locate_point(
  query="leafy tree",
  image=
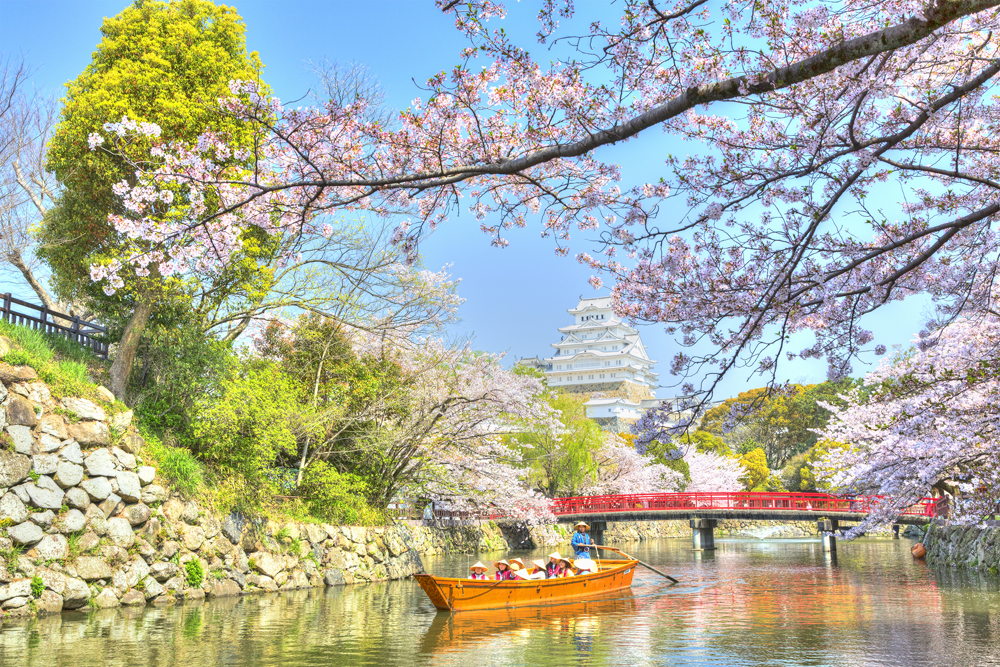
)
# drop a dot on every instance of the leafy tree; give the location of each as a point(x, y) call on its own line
point(157, 62)
point(561, 456)
point(757, 473)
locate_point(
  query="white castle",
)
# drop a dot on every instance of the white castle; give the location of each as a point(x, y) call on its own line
point(603, 357)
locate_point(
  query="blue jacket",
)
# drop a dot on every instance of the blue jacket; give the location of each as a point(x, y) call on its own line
point(578, 542)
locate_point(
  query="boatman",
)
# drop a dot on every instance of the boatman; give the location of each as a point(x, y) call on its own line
point(580, 541)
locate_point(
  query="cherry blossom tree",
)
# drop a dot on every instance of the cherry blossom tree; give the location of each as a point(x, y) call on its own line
point(929, 418)
point(621, 469)
point(807, 114)
point(711, 472)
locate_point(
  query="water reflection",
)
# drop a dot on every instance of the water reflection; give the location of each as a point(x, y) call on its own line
point(747, 603)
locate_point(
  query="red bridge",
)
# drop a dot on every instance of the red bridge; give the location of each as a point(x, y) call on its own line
point(702, 510)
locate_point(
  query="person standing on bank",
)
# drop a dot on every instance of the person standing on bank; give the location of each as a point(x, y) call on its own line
point(580, 541)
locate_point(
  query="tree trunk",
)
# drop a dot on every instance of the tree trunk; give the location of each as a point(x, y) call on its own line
point(129, 345)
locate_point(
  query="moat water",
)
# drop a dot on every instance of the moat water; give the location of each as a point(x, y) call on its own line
point(781, 602)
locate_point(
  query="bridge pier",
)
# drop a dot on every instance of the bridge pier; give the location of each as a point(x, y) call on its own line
point(895, 531)
point(703, 534)
point(828, 527)
point(597, 529)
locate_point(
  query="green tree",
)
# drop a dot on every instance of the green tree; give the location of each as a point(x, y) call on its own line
point(757, 472)
point(159, 62)
point(561, 459)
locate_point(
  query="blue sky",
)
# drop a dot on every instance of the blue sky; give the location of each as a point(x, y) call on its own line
point(515, 297)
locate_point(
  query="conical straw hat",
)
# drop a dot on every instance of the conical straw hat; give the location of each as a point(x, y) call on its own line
point(539, 563)
point(555, 554)
point(517, 561)
point(498, 563)
point(478, 566)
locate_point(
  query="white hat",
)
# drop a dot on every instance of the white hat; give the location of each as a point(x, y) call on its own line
point(585, 564)
point(479, 566)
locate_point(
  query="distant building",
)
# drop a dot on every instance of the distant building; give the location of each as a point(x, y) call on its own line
point(602, 357)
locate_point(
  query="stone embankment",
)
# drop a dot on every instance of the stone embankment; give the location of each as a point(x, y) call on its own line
point(968, 547)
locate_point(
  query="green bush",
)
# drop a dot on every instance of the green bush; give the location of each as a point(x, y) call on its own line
point(37, 587)
point(194, 572)
point(338, 498)
point(176, 464)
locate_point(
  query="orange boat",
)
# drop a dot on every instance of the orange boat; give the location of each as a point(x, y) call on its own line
point(450, 594)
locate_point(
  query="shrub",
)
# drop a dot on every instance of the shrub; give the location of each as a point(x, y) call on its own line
point(176, 464)
point(194, 572)
point(37, 587)
point(337, 497)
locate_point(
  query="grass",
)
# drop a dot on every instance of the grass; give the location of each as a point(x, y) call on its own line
point(176, 464)
point(37, 587)
point(68, 368)
point(195, 574)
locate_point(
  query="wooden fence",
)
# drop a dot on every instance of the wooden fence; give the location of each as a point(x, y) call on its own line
point(87, 334)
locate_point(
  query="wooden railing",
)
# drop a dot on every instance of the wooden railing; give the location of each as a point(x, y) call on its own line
point(88, 334)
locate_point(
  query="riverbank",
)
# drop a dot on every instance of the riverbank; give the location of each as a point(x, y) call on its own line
point(968, 547)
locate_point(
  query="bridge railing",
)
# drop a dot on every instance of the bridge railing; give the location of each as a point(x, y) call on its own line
point(686, 502)
point(87, 334)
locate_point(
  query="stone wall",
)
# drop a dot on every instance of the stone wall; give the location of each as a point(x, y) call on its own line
point(621, 389)
point(968, 547)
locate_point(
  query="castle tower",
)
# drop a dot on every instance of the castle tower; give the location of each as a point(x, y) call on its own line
point(603, 357)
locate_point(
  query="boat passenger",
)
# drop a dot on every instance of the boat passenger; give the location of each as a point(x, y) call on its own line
point(538, 571)
point(516, 564)
point(503, 573)
point(478, 571)
point(580, 541)
point(565, 568)
point(585, 565)
point(550, 569)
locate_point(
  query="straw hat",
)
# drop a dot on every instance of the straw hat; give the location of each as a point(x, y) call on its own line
point(517, 561)
point(555, 554)
point(478, 566)
point(586, 564)
point(539, 563)
point(522, 574)
point(568, 561)
point(581, 523)
point(498, 563)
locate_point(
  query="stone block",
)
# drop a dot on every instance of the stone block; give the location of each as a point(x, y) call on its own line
point(152, 588)
point(268, 584)
point(15, 589)
point(333, 577)
point(51, 547)
point(92, 568)
point(90, 434)
point(126, 460)
point(154, 494)
point(25, 534)
point(44, 519)
point(173, 509)
point(23, 441)
point(129, 487)
point(96, 520)
point(77, 498)
point(9, 374)
point(45, 493)
point(146, 475)
point(268, 564)
point(106, 599)
point(84, 409)
point(120, 532)
point(105, 394)
point(163, 571)
point(223, 588)
point(232, 528)
point(20, 412)
point(76, 594)
point(136, 514)
point(133, 598)
point(49, 443)
point(100, 463)
point(98, 488)
point(54, 425)
point(45, 464)
point(12, 509)
point(72, 453)
point(71, 522)
point(133, 442)
point(67, 474)
point(18, 603)
point(192, 537)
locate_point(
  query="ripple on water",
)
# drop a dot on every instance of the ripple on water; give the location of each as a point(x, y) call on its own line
point(750, 603)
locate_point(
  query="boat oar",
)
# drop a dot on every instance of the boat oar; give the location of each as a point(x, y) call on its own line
point(645, 565)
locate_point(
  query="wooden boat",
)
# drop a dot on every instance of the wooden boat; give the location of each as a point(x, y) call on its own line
point(450, 594)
